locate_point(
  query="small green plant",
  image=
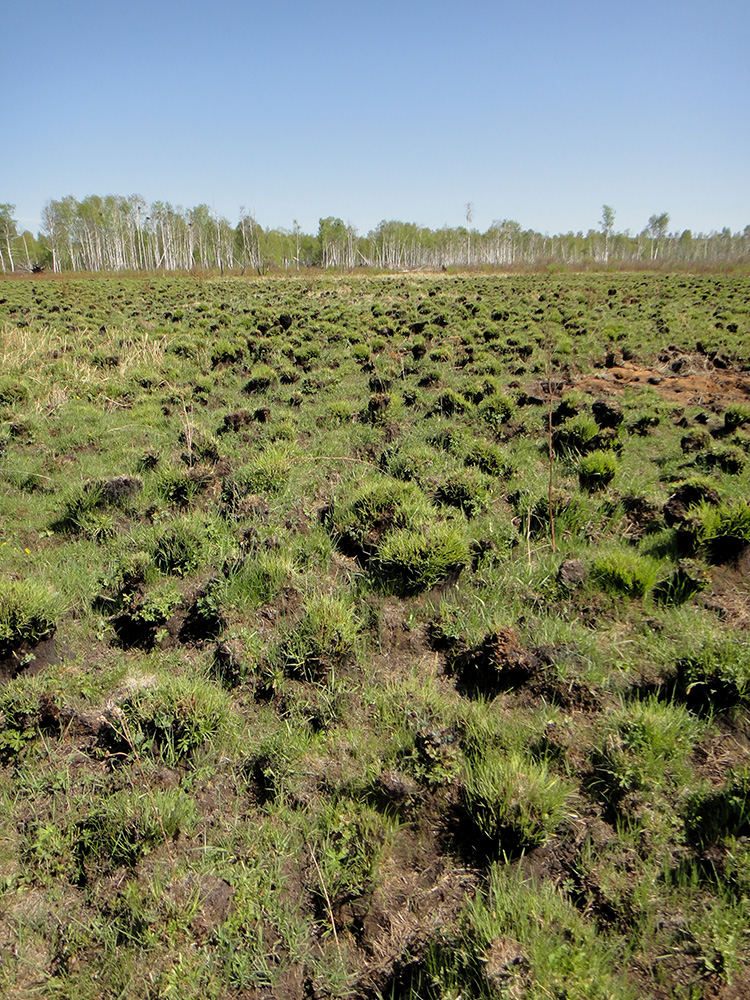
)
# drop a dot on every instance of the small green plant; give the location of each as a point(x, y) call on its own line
point(180, 486)
point(730, 459)
point(525, 938)
point(644, 747)
point(257, 580)
point(172, 719)
point(723, 530)
point(451, 402)
point(268, 473)
point(262, 377)
point(496, 411)
point(488, 458)
point(575, 436)
point(122, 827)
point(379, 506)
point(180, 548)
point(513, 803)
point(348, 846)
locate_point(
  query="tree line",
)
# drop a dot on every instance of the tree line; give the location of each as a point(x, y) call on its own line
point(116, 233)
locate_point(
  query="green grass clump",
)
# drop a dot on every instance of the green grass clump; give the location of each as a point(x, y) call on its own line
point(258, 580)
point(717, 677)
point(123, 827)
point(488, 458)
point(624, 573)
point(173, 718)
point(597, 469)
point(712, 814)
point(736, 415)
point(523, 938)
point(323, 639)
point(409, 560)
point(464, 492)
point(644, 747)
point(262, 377)
point(379, 506)
point(268, 473)
point(722, 530)
point(180, 548)
point(13, 391)
point(513, 803)
point(574, 437)
point(180, 486)
point(29, 612)
point(496, 410)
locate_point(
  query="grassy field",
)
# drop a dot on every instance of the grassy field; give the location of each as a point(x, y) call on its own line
point(379, 637)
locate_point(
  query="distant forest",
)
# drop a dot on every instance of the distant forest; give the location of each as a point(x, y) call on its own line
point(116, 233)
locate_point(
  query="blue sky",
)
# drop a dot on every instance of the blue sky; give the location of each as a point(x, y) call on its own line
point(540, 112)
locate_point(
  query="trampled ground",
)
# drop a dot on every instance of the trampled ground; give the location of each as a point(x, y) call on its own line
point(375, 637)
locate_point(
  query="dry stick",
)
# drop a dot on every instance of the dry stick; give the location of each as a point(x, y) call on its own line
point(35, 475)
point(327, 899)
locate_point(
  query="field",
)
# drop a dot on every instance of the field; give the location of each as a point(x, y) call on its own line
point(376, 637)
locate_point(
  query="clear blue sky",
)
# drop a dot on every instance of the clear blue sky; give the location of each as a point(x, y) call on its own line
point(539, 112)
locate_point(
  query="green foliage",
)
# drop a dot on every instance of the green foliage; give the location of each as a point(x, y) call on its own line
point(262, 377)
point(722, 530)
point(513, 803)
point(289, 719)
point(13, 391)
point(180, 548)
point(730, 459)
point(575, 436)
point(122, 828)
point(349, 845)
point(488, 458)
point(379, 506)
point(268, 473)
point(496, 410)
point(257, 580)
point(451, 402)
point(520, 937)
point(736, 415)
point(464, 492)
point(180, 486)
